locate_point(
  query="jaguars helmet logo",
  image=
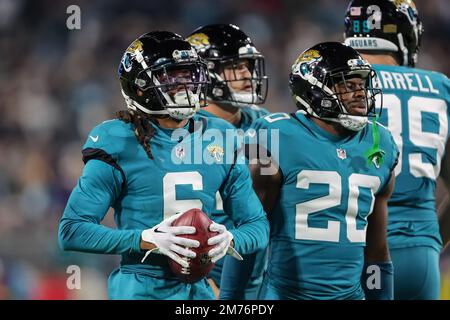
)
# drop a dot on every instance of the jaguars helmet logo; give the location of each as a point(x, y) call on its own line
point(199, 41)
point(408, 8)
point(130, 53)
point(136, 45)
point(309, 56)
point(305, 63)
point(216, 152)
point(399, 3)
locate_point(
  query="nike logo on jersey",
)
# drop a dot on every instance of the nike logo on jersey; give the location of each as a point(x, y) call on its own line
point(95, 139)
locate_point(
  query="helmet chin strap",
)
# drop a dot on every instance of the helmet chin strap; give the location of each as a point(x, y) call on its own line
point(242, 99)
point(353, 123)
point(349, 121)
point(183, 98)
point(239, 98)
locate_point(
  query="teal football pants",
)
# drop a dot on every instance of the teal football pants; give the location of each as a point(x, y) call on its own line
point(416, 273)
point(124, 285)
point(270, 292)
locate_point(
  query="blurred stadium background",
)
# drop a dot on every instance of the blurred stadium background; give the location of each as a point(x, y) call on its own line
point(56, 84)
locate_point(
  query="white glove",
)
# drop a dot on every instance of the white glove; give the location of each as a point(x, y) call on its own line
point(223, 241)
point(164, 237)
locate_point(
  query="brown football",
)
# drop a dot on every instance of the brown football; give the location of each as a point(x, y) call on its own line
point(201, 265)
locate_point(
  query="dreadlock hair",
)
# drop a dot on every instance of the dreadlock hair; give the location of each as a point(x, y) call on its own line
point(142, 128)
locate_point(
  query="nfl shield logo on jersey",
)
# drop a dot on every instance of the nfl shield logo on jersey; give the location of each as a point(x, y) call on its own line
point(179, 152)
point(341, 153)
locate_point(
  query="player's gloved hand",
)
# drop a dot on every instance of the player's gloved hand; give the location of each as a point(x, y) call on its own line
point(165, 237)
point(223, 241)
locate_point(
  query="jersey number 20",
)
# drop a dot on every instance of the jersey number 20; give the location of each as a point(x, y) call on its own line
point(333, 199)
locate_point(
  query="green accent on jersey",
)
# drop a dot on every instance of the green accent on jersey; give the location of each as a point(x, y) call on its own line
point(375, 155)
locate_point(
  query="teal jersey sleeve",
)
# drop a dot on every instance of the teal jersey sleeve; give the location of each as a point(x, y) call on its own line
point(80, 228)
point(267, 136)
point(237, 274)
point(249, 114)
point(110, 136)
point(390, 150)
point(249, 227)
point(240, 201)
point(98, 189)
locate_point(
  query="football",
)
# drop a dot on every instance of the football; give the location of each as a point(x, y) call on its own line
point(201, 265)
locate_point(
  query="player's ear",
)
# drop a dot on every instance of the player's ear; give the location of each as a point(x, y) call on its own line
point(139, 92)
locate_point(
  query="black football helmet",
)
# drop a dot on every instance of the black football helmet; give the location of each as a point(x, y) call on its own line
point(384, 26)
point(315, 75)
point(161, 73)
point(224, 45)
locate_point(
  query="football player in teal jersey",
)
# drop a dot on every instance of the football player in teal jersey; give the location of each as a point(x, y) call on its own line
point(238, 85)
point(134, 165)
point(416, 111)
point(327, 183)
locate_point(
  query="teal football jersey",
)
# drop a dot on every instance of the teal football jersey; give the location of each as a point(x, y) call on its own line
point(143, 192)
point(249, 115)
point(415, 110)
point(318, 226)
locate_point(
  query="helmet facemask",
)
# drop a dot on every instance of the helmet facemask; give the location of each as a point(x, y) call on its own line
point(342, 86)
point(240, 81)
point(180, 88)
point(333, 88)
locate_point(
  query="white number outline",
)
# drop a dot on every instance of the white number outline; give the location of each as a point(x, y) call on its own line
point(334, 181)
point(416, 105)
point(170, 181)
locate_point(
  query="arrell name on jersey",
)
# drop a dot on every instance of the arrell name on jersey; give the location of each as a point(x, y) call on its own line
point(410, 81)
